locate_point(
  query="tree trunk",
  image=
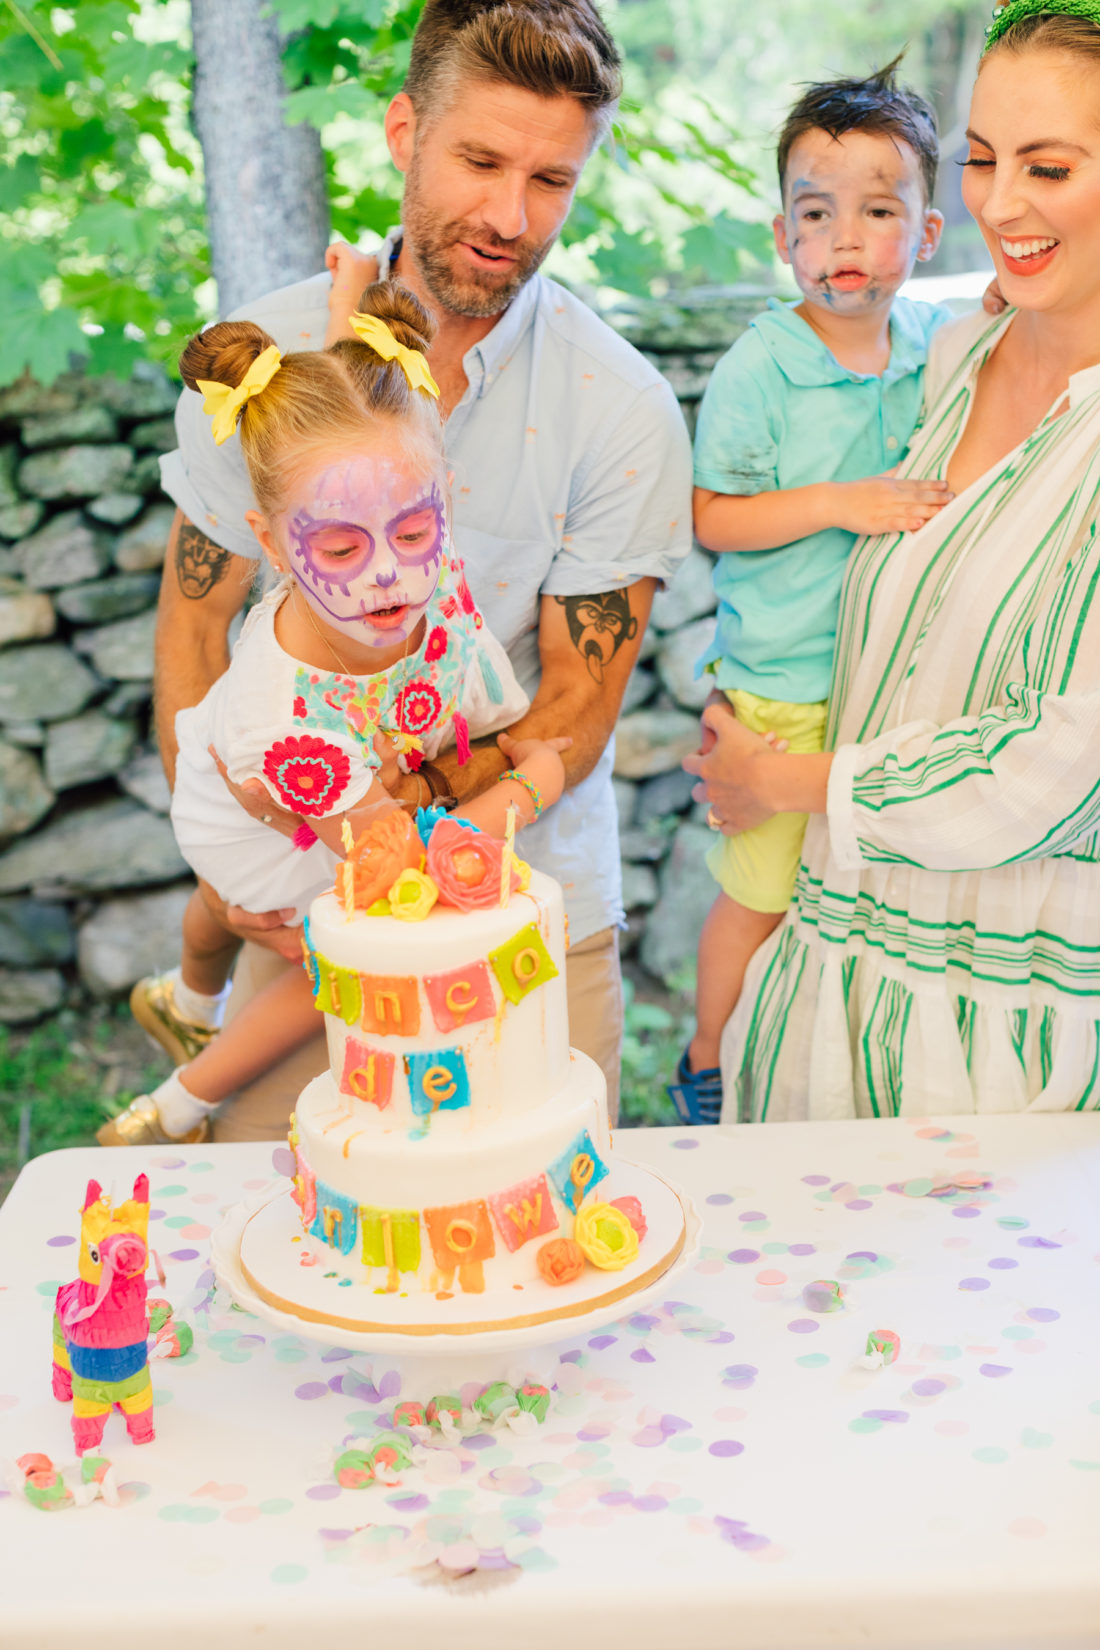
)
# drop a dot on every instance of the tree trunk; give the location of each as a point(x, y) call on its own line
point(266, 201)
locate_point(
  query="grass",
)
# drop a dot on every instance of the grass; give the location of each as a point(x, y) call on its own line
point(654, 1037)
point(62, 1079)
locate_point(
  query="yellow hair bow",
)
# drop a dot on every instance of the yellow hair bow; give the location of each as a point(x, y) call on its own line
point(223, 402)
point(377, 334)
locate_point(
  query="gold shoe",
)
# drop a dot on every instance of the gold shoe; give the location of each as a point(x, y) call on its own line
point(153, 1005)
point(139, 1125)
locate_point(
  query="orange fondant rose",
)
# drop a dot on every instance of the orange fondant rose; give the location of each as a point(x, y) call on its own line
point(465, 866)
point(387, 847)
point(560, 1261)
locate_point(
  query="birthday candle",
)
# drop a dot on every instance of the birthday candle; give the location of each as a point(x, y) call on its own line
point(348, 840)
point(506, 857)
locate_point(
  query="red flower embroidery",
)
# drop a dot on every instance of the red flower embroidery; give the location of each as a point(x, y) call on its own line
point(419, 704)
point(299, 706)
point(464, 595)
point(307, 773)
point(437, 645)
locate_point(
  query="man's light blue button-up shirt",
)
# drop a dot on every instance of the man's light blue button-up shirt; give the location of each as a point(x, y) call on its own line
point(572, 476)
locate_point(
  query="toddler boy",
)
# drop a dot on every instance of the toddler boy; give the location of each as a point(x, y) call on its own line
point(801, 422)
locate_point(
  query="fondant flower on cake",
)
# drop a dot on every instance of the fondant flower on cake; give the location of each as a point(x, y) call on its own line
point(308, 773)
point(465, 866)
point(560, 1261)
point(418, 706)
point(412, 896)
point(387, 847)
point(632, 1209)
point(606, 1236)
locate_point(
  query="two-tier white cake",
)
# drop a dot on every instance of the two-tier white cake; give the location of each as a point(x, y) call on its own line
point(454, 1169)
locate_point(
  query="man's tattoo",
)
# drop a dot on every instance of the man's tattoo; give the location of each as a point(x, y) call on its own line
point(598, 627)
point(200, 563)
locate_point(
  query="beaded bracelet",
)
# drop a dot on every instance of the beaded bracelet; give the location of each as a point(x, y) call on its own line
point(529, 786)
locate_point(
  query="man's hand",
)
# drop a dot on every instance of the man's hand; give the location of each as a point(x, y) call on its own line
point(883, 504)
point(271, 929)
point(257, 801)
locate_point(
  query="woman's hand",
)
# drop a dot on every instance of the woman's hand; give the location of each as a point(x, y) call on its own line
point(734, 766)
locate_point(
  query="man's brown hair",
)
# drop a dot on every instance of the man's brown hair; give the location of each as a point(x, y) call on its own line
point(876, 105)
point(554, 48)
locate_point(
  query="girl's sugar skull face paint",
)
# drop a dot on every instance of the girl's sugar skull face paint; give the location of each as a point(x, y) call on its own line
point(365, 539)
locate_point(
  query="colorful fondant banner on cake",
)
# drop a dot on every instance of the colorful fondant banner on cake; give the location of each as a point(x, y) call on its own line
point(461, 1234)
point(388, 1005)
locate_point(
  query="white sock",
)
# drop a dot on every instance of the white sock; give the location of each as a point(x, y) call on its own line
point(178, 1109)
point(196, 1006)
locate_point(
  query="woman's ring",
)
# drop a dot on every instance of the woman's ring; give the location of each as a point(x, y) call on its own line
point(713, 820)
point(265, 819)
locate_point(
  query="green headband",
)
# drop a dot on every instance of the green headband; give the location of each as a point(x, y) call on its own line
point(1004, 17)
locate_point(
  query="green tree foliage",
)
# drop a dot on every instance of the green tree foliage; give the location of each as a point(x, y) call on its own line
point(102, 243)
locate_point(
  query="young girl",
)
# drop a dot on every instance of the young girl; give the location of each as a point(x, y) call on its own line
point(369, 645)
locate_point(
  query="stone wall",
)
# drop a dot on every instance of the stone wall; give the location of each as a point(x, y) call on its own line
point(92, 886)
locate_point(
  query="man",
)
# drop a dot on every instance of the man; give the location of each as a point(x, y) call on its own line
point(572, 470)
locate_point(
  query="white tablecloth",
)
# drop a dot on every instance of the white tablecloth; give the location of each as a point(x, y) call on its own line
point(724, 1475)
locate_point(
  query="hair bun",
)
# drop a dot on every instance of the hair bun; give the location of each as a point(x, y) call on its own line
point(404, 314)
point(223, 353)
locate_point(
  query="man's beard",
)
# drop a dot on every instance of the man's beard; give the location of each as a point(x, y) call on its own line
point(477, 294)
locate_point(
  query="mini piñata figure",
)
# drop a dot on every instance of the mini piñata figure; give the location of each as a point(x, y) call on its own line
point(101, 1324)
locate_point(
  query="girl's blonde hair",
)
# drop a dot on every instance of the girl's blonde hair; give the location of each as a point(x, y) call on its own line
point(320, 398)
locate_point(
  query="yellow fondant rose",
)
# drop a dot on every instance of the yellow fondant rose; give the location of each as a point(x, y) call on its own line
point(412, 896)
point(605, 1236)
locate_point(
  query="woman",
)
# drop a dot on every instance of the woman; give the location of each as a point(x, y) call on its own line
point(942, 953)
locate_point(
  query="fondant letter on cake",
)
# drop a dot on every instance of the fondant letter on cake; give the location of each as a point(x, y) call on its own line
point(522, 963)
point(391, 1238)
point(437, 1081)
point(578, 1171)
point(460, 997)
point(368, 1073)
point(462, 1238)
point(524, 1211)
point(391, 1005)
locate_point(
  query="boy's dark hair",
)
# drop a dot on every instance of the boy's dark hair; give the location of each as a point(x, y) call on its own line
point(877, 105)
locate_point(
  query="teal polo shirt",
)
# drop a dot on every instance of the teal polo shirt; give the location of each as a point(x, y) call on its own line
point(781, 412)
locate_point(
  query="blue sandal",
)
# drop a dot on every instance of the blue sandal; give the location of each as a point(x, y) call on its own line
point(697, 1095)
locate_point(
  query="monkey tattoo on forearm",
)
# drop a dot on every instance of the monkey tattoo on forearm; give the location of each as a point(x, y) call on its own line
point(598, 627)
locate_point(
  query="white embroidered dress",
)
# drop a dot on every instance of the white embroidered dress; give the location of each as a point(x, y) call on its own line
point(307, 735)
point(942, 953)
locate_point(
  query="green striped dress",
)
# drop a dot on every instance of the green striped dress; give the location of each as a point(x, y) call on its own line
point(942, 952)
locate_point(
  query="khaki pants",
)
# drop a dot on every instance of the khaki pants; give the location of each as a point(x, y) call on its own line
point(262, 1110)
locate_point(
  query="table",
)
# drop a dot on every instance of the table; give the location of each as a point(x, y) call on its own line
point(718, 1472)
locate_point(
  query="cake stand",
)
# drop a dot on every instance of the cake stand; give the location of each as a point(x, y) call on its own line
point(486, 1337)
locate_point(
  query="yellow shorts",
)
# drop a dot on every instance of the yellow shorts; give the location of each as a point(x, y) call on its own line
point(758, 868)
